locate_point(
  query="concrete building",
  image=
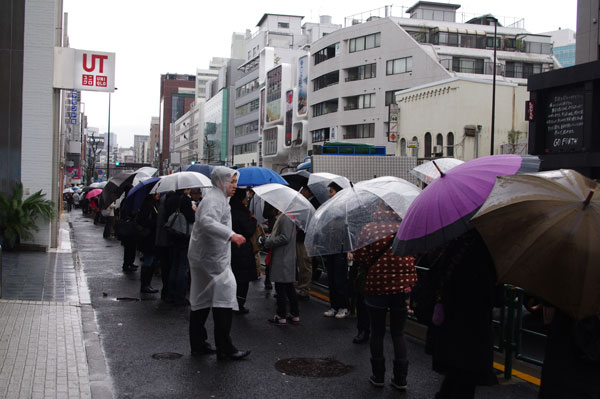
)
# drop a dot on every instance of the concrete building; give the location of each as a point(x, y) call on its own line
point(281, 40)
point(140, 148)
point(356, 72)
point(563, 46)
point(153, 143)
point(588, 31)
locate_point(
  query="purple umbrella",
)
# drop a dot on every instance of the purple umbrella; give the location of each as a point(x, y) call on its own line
point(443, 209)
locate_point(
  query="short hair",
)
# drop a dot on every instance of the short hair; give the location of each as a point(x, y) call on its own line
point(335, 186)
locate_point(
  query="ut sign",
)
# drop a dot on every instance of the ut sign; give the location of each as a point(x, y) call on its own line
point(84, 69)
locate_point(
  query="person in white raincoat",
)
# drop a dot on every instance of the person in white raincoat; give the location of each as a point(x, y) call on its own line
point(213, 283)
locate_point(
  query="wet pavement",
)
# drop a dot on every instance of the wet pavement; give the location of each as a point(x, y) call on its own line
point(136, 337)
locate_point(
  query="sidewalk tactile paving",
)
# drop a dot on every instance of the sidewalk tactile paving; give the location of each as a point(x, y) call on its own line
point(41, 347)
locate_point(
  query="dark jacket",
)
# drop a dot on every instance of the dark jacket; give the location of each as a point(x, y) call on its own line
point(242, 258)
point(162, 238)
point(146, 225)
point(184, 203)
point(464, 341)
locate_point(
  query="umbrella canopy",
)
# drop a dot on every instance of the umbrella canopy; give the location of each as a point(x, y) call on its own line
point(251, 176)
point(288, 201)
point(93, 193)
point(68, 190)
point(429, 171)
point(143, 173)
point(115, 187)
point(298, 179)
point(338, 225)
point(135, 196)
point(99, 184)
point(443, 209)
point(181, 180)
point(543, 231)
point(205, 169)
point(318, 182)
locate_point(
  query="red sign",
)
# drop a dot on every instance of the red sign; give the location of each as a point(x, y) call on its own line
point(529, 110)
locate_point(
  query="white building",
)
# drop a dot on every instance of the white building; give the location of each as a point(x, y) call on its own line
point(356, 71)
point(140, 148)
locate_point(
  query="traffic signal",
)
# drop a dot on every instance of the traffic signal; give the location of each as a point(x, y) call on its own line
point(193, 163)
point(105, 175)
point(117, 163)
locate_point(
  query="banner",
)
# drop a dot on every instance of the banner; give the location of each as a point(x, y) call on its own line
point(84, 70)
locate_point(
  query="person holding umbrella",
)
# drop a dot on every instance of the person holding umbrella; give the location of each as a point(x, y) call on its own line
point(213, 284)
point(303, 261)
point(145, 221)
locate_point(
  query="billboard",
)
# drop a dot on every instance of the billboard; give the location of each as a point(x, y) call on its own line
point(302, 84)
point(262, 116)
point(289, 108)
point(84, 70)
point(274, 77)
point(74, 173)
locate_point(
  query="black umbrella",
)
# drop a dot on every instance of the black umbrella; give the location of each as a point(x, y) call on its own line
point(297, 179)
point(115, 187)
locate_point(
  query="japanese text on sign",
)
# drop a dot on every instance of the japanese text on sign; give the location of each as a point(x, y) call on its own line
point(564, 122)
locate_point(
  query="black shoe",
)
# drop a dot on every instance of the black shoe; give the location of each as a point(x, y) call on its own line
point(129, 268)
point(148, 290)
point(268, 286)
point(361, 337)
point(238, 355)
point(242, 311)
point(206, 349)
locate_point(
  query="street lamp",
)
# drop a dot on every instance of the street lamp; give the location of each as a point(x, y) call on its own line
point(494, 89)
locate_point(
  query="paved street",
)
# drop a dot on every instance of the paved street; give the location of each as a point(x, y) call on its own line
point(132, 327)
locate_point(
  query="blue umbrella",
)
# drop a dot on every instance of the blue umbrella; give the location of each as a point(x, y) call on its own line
point(205, 169)
point(136, 195)
point(256, 176)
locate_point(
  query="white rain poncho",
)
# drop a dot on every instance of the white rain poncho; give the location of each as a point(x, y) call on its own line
point(213, 283)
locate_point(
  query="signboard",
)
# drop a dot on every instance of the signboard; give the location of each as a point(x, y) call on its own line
point(412, 144)
point(564, 121)
point(302, 84)
point(72, 107)
point(84, 69)
point(74, 173)
point(529, 110)
point(262, 116)
point(289, 97)
point(393, 123)
point(274, 94)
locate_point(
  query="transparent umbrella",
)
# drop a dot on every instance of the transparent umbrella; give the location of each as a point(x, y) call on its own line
point(181, 180)
point(318, 184)
point(288, 201)
point(431, 170)
point(336, 226)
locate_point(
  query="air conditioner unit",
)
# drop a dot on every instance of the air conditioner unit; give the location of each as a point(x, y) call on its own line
point(438, 149)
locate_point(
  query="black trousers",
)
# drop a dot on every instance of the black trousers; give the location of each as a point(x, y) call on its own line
point(242, 292)
point(397, 321)
point(337, 279)
point(363, 321)
point(222, 318)
point(164, 258)
point(286, 292)
point(129, 248)
point(457, 384)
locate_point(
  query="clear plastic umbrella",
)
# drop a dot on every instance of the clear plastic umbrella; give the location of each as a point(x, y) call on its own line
point(288, 201)
point(181, 180)
point(337, 224)
point(142, 174)
point(429, 171)
point(318, 184)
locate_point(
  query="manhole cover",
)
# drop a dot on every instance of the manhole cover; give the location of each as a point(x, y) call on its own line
point(127, 299)
point(310, 367)
point(167, 356)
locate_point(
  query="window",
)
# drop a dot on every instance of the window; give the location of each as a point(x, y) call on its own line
point(246, 108)
point(326, 80)
point(247, 88)
point(420, 37)
point(427, 145)
point(363, 131)
point(325, 107)
point(467, 65)
point(403, 147)
point(244, 148)
point(320, 135)
point(450, 146)
point(359, 102)
point(247, 128)
point(415, 150)
point(270, 140)
point(390, 96)
point(490, 41)
point(367, 71)
point(521, 69)
point(284, 25)
point(326, 53)
point(364, 42)
point(399, 65)
point(439, 139)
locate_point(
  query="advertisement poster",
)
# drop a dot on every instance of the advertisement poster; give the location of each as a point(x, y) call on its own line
point(74, 173)
point(289, 108)
point(302, 84)
point(274, 95)
point(261, 116)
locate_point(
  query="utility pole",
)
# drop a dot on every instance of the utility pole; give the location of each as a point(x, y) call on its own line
point(108, 142)
point(493, 91)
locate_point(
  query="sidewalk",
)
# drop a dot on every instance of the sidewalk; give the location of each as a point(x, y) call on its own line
point(49, 347)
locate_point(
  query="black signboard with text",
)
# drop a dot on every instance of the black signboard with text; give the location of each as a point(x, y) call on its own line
point(564, 120)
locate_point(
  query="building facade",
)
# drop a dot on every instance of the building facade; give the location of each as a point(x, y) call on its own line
point(140, 148)
point(153, 143)
point(563, 46)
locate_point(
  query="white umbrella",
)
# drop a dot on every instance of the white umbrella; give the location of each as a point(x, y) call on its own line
point(428, 172)
point(98, 184)
point(337, 226)
point(142, 174)
point(67, 190)
point(288, 201)
point(181, 180)
point(318, 182)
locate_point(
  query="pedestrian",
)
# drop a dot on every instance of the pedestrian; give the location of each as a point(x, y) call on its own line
point(337, 276)
point(109, 219)
point(76, 198)
point(95, 209)
point(255, 205)
point(356, 279)
point(270, 215)
point(145, 221)
point(282, 241)
point(304, 262)
point(242, 257)
point(69, 202)
point(213, 283)
point(163, 245)
point(179, 273)
point(460, 336)
point(387, 283)
point(572, 360)
point(196, 196)
point(128, 241)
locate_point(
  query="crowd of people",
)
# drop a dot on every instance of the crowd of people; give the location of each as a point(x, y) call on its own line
point(210, 270)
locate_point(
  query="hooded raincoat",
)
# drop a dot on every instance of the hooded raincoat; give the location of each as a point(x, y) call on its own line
point(213, 283)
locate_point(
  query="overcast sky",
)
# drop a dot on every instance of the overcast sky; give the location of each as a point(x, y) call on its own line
point(153, 37)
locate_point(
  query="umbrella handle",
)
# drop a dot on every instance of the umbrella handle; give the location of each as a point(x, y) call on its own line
point(589, 197)
point(438, 168)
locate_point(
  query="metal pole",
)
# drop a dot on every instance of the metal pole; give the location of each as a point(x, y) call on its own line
point(493, 92)
point(108, 142)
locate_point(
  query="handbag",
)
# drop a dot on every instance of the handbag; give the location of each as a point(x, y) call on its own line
point(125, 229)
point(177, 225)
